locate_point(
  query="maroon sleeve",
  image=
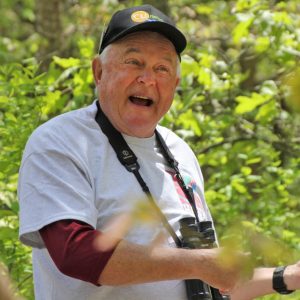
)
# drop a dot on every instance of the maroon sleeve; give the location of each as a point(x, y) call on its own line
point(70, 244)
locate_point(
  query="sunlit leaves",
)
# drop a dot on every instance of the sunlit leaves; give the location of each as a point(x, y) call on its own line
point(20, 107)
point(204, 9)
point(248, 104)
point(86, 48)
point(262, 44)
point(237, 106)
point(189, 121)
point(26, 99)
point(189, 68)
point(242, 5)
point(51, 100)
point(282, 18)
point(66, 62)
point(241, 31)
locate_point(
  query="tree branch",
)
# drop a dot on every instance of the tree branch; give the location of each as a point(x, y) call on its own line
point(229, 141)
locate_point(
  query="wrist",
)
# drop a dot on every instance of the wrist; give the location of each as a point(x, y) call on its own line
point(292, 276)
point(279, 281)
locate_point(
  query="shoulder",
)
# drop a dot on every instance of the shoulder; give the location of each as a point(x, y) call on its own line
point(172, 140)
point(179, 148)
point(76, 119)
point(70, 129)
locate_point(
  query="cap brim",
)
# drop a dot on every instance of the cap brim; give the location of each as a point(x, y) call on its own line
point(167, 30)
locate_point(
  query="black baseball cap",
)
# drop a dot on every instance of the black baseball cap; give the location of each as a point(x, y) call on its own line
point(139, 18)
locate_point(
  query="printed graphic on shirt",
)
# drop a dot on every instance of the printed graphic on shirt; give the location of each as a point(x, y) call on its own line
point(189, 182)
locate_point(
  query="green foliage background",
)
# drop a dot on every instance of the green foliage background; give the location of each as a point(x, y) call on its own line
point(233, 108)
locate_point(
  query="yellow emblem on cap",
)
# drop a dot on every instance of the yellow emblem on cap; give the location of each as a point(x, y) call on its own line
point(140, 16)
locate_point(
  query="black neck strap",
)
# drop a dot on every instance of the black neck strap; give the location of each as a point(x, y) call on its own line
point(173, 163)
point(129, 160)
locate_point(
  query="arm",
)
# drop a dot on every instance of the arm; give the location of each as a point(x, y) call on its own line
point(102, 259)
point(131, 264)
point(261, 283)
point(71, 245)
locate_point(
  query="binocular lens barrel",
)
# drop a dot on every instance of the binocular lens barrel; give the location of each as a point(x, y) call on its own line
point(199, 236)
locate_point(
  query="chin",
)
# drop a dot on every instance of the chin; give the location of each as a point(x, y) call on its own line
point(141, 129)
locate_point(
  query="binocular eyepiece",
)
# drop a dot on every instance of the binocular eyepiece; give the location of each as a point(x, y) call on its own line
point(196, 235)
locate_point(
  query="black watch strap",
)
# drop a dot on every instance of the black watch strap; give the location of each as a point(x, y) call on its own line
point(278, 282)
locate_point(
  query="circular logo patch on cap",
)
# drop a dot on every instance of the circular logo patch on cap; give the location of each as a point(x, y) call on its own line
point(140, 16)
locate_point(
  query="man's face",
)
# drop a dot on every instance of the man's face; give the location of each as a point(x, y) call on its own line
point(136, 79)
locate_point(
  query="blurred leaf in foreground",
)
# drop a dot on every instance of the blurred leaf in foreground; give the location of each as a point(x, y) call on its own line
point(292, 82)
point(246, 237)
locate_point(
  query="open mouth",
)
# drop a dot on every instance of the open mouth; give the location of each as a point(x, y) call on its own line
point(140, 100)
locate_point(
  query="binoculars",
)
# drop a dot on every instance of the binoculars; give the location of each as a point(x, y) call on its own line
point(199, 235)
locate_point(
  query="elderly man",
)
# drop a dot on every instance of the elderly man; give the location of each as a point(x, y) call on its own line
point(84, 169)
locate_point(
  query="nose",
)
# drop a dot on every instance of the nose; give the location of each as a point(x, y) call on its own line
point(147, 77)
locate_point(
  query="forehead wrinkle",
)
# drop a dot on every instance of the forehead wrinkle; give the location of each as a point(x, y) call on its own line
point(137, 50)
point(134, 41)
point(132, 50)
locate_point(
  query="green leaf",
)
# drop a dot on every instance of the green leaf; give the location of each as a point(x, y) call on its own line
point(189, 67)
point(206, 60)
point(51, 102)
point(246, 171)
point(242, 29)
point(11, 117)
point(262, 44)
point(7, 233)
point(66, 62)
point(205, 77)
point(253, 160)
point(245, 4)
point(248, 104)
point(238, 186)
point(6, 213)
point(204, 9)
point(189, 121)
point(282, 17)
point(266, 112)
point(86, 47)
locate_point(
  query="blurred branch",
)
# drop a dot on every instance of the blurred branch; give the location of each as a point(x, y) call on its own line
point(20, 284)
point(229, 141)
point(49, 26)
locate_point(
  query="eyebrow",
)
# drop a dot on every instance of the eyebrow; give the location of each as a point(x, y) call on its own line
point(132, 49)
point(137, 50)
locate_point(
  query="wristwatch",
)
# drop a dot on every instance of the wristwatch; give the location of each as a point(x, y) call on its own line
point(278, 283)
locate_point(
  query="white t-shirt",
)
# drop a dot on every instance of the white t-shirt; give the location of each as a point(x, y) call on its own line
point(70, 171)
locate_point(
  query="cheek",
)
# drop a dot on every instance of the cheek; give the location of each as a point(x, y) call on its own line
point(107, 86)
point(167, 105)
point(167, 91)
point(116, 82)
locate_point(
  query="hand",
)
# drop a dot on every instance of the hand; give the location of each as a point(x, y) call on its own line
point(222, 271)
point(292, 276)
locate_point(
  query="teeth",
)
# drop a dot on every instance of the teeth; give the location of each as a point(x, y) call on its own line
point(142, 97)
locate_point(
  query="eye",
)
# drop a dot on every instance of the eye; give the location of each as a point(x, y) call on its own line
point(133, 61)
point(163, 69)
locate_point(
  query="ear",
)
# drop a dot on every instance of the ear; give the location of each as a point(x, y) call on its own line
point(177, 82)
point(97, 69)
